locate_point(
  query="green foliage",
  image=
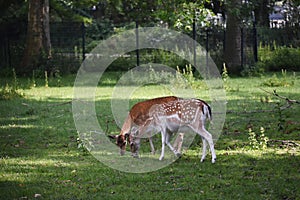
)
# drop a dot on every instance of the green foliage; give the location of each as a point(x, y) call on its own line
point(10, 91)
point(162, 57)
point(15, 80)
point(99, 30)
point(169, 59)
point(12, 11)
point(72, 10)
point(190, 12)
point(32, 82)
point(226, 80)
point(149, 76)
point(187, 73)
point(46, 79)
point(279, 58)
point(258, 69)
point(184, 78)
point(258, 141)
point(225, 75)
point(283, 81)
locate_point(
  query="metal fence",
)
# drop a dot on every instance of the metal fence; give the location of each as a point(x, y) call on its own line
point(72, 40)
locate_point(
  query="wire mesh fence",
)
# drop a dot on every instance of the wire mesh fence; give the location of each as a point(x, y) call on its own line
point(72, 41)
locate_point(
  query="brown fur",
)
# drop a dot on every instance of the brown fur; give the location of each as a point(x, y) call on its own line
point(139, 113)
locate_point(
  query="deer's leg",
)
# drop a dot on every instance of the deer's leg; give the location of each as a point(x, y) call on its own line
point(211, 145)
point(170, 146)
point(204, 147)
point(152, 146)
point(178, 142)
point(208, 137)
point(163, 141)
point(135, 147)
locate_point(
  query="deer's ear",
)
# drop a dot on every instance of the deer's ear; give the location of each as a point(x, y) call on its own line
point(113, 136)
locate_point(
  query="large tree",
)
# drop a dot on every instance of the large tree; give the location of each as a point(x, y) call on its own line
point(233, 36)
point(262, 11)
point(38, 45)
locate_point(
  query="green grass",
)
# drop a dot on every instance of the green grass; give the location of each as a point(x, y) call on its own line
point(40, 157)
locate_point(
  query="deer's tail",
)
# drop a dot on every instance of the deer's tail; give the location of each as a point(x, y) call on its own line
point(207, 111)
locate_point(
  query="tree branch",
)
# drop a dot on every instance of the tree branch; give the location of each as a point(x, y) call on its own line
point(286, 142)
point(289, 101)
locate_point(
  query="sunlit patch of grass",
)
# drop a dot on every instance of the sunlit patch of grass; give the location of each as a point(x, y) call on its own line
point(10, 126)
point(40, 155)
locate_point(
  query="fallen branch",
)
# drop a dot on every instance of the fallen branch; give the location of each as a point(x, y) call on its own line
point(286, 142)
point(288, 100)
point(59, 104)
point(248, 112)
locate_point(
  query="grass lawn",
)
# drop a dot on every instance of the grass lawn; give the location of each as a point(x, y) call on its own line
point(40, 158)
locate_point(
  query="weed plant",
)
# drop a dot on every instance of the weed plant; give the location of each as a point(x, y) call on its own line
point(11, 90)
point(283, 81)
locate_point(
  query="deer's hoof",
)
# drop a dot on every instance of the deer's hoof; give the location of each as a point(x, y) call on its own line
point(213, 160)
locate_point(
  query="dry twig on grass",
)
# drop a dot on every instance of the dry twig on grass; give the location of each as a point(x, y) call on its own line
point(288, 100)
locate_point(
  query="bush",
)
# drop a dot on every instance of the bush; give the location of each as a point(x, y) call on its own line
point(253, 70)
point(280, 58)
point(282, 81)
point(9, 92)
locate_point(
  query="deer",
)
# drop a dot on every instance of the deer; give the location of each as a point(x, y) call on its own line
point(136, 118)
point(172, 116)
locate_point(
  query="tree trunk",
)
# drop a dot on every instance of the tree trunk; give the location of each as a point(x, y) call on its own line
point(38, 45)
point(233, 38)
point(262, 13)
point(46, 30)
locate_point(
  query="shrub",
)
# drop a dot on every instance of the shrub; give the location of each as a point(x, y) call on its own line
point(280, 58)
point(253, 70)
point(282, 81)
point(11, 91)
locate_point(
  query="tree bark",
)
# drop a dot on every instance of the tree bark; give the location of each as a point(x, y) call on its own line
point(38, 44)
point(46, 30)
point(233, 38)
point(262, 13)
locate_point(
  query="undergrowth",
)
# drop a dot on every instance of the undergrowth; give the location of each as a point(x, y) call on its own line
point(11, 90)
point(282, 80)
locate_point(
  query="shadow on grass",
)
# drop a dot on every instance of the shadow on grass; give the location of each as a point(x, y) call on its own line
point(236, 175)
point(40, 155)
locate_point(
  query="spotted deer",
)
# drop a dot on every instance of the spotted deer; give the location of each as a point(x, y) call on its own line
point(169, 117)
point(138, 115)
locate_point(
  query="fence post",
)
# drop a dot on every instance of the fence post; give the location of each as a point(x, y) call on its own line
point(242, 47)
point(224, 40)
point(194, 42)
point(137, 43)
point(9, 52)
point(83, 40)
point(255, 51)
point(207, 46)
point(5, 48)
